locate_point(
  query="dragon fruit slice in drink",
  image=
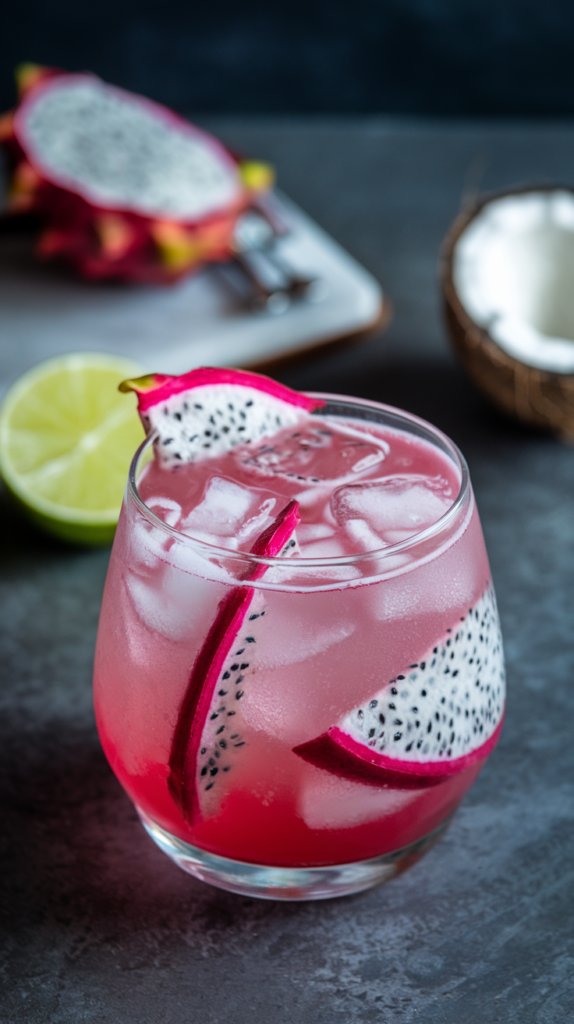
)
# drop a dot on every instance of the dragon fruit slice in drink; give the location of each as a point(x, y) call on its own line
point(207, 736)
point(434, 719)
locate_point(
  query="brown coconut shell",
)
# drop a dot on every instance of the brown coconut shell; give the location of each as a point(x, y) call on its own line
point(538, 397)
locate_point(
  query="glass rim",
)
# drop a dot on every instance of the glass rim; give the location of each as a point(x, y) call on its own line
point(425, 430)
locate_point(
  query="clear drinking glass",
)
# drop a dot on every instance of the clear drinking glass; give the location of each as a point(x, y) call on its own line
point(338, 644)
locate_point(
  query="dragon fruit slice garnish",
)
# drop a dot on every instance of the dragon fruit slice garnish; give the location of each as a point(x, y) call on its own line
point(209, 411)
point(126, 188)
point(434, 719)
point(196, 416)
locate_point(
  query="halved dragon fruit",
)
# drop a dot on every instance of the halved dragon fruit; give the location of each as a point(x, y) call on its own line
point(125, 187)
point(432, 720)
point(208, 411)
point(196, 416)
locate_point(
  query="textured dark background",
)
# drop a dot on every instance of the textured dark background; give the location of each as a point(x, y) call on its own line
point(447, 57)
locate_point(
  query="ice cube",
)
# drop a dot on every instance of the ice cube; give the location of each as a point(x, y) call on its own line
point(322, 452)
point(409, 502)
point(368, 462)
point(150, 548)
point(257, 523)
point(146, 546)
point(221, 511)
point(298, 573)
point(327, 801)
point(166, 509)
point(229, 515)
point(329, 547)
point(289, 646)
point(307, 532)
point(197, 561)
point(396, 536)
point(279, 699)
point(362, 536)
point(171, 601)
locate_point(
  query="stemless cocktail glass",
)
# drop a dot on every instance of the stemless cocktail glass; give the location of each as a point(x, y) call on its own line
point(336, 647)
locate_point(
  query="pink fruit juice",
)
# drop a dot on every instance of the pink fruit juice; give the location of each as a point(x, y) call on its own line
point(347, 688)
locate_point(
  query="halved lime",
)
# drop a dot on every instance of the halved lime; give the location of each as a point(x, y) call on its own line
point(66, 440)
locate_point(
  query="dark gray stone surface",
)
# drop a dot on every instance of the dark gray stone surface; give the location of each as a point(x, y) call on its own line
point(97, 925)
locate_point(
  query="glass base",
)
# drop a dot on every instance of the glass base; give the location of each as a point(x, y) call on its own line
point(318, 883)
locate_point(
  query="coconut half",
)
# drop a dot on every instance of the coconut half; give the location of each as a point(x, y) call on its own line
point(508, 287)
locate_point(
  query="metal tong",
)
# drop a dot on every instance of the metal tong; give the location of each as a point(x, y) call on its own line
point(273, 282)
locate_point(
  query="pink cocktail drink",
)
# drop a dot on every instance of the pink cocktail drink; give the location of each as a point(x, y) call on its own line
point(299, 666)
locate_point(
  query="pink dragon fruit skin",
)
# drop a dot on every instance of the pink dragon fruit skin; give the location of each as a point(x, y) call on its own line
point(107, 240)
point(154, 388)
point(178, 410)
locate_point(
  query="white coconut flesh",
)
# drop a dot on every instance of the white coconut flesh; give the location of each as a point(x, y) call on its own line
point(513, 271)
point(122, 152)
